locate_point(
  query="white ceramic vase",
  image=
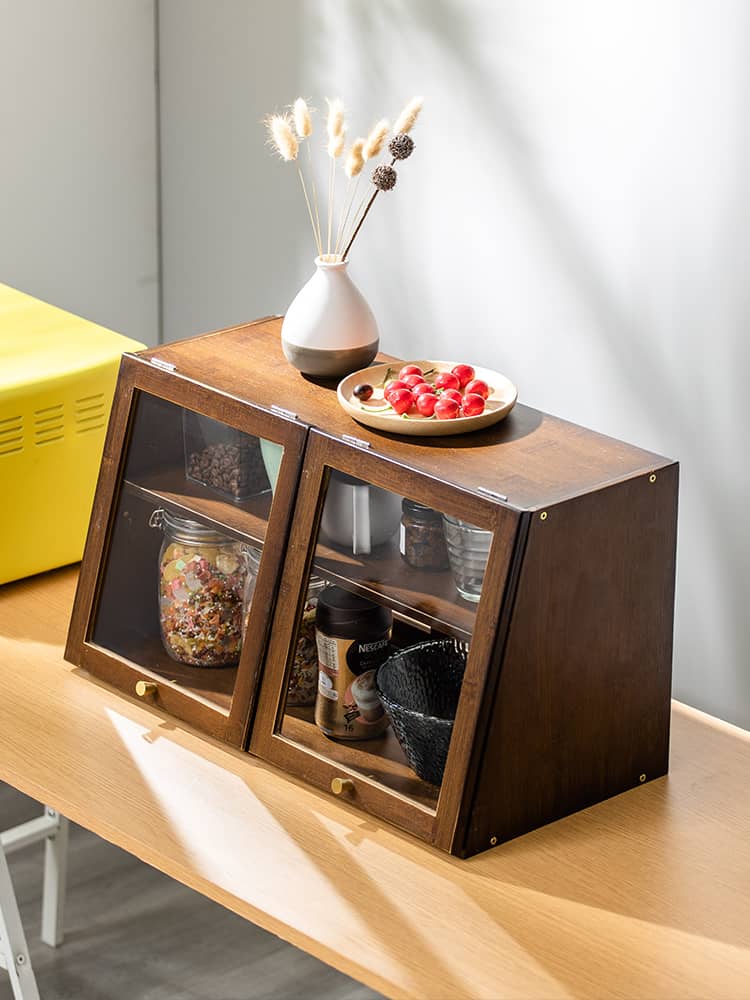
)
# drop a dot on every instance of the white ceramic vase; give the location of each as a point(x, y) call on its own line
point(329, 329)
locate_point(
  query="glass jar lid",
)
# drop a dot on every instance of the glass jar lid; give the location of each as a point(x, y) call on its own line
point(186, 530)
point(419, 511)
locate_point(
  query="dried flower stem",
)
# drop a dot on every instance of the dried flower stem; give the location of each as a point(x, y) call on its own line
point(331, 190)
point(360, 207)
point(375, 193)
point(316, 227)
point(348, 202)
point(342, 217)
point(316, 234)
point(355, 161)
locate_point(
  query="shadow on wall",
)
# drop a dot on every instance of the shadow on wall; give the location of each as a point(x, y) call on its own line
point(643, 328)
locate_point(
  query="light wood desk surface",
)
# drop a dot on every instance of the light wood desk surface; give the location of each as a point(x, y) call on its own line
point(646, 895)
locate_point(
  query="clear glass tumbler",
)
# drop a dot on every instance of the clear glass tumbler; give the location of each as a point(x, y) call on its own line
point(468, 549)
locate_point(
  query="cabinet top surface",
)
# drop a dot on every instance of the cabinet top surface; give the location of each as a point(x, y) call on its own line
point(647, 894)
point(530, 457)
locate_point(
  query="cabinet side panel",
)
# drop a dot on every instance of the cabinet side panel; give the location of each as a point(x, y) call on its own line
point(583, 697)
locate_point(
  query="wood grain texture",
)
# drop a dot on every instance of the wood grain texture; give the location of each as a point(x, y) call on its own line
point(645, 895)
point(540, 459)
point(581, 710)
point(132, 933)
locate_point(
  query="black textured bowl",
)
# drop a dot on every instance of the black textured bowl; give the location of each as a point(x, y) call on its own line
point(419, 687)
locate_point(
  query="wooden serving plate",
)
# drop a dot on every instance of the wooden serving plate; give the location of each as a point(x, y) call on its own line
point(502, 398)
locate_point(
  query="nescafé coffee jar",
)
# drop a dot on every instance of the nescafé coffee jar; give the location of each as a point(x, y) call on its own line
point(352, 636)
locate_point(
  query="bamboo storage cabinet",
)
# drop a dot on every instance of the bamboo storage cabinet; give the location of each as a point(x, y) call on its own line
point(566, 696)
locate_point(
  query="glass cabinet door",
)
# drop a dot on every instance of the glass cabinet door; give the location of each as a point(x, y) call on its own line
point(382, 636)
point(186, 586)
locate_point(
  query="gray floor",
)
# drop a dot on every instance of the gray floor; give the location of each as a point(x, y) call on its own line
point(134, 934)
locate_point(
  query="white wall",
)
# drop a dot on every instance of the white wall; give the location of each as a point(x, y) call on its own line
point(78, 164)
point(231, 251)
point(575, 214)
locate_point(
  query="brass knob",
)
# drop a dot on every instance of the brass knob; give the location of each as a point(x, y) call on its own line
point(145, 689)
point(341, 786)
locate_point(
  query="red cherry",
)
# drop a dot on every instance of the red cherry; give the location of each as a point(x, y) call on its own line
point(422, 388)
point(425, 403)
point(473, 404)
point(465, 373)
point(452, 394)
point(395, 383)
point(413, 380)
point(401, 400)
point(410, 370)
point(479, 386)
point(446, 409)
point(447, 380)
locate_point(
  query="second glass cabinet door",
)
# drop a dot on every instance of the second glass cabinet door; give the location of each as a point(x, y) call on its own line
point(380, 641)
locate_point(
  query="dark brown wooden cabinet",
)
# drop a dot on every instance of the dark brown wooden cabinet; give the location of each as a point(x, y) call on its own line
point(565, 698)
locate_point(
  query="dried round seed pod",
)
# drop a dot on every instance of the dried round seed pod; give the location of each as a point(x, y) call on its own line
point(384, 177)
point(401, 146)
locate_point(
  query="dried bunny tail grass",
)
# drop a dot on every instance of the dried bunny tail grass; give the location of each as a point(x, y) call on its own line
point(302, 118)
point(355, 160)
point(336, 140)
point(282, 137)
point(376, 138)
point(407, 118)
point(335, 123)
point(336, 145)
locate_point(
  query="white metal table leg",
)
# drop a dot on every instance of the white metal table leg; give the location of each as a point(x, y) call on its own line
point(14, 952)
point(52, 828)
point(55, 877)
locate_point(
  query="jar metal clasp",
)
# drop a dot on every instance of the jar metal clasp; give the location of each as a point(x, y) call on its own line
point(157, 518)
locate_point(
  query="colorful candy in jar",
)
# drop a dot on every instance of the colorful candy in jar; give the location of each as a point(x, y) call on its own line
point(303, 678)
point(200, 602)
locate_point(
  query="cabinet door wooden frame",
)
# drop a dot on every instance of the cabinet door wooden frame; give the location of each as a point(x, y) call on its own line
point(436, 825)
point(139, 378)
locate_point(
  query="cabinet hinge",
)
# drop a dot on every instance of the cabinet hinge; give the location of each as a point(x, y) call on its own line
point(282, 412)
point(350, 439)
point(493, 494)
point(166, 366)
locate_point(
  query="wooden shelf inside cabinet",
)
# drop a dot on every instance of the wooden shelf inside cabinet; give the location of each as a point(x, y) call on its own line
point(380, 759)
point(245, 520)
point(428, 598)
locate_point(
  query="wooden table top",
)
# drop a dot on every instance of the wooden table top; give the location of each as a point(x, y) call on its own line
point(646, 895)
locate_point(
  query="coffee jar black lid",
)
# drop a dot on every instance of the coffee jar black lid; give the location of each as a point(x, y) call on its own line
point(418, 511)
point(349, 616)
